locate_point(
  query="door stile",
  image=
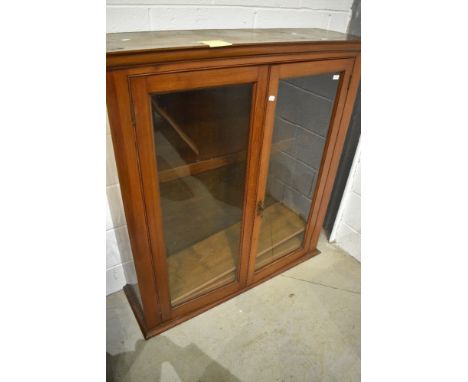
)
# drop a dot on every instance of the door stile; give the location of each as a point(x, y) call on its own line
point(267, 133)
point(150, 183)
point(252, 171)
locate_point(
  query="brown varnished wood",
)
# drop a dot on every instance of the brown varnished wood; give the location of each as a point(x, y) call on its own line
point(218, 63)
point(148, 169)
point(123, 138)
point(158, 41)
point(306, 69)
point(167, 66)
point(203, 79)
point(139, 48)
point(250, 199)
point(145, 58)
point(265, 150)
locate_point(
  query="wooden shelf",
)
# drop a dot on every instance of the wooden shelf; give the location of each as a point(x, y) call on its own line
point(280, 234)
point(199, 167)
point(214, 163)
point(213, 261)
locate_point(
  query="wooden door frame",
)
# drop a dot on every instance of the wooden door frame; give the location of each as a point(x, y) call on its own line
point(141, 87)
point(330, 156)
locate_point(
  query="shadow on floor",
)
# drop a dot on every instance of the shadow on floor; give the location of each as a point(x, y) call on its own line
point(190, 363)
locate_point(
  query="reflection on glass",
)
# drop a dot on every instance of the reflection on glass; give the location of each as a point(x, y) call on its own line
point(201, 139)
point(303, 113)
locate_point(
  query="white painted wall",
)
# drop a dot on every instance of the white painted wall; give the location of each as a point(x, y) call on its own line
point(346, 232)
point(118, 253)
point(141, 15)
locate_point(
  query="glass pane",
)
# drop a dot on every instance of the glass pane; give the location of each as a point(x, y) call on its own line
point(303, 113)
point(201, 139)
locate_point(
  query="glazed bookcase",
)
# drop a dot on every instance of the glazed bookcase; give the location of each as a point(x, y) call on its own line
point(227, 143)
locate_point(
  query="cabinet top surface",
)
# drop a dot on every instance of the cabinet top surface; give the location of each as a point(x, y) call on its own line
point(166, 40)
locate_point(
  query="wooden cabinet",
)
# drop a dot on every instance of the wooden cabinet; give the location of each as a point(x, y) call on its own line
point(226, 157)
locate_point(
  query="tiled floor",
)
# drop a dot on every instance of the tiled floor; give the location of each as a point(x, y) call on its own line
point(303, 325)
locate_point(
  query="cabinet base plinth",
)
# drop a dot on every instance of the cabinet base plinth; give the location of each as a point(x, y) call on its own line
point(163, 326)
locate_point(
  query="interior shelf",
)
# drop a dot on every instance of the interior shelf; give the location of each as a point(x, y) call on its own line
point(195, 168)
point(201, 166)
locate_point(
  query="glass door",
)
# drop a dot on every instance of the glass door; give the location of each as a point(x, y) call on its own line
point(201, 138)
point(303, 116)
point(194, 132)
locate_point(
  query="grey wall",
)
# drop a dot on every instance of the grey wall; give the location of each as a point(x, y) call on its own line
point(354, 26)
point(138, 15)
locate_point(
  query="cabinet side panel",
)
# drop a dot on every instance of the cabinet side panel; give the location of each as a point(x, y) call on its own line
point(123, 138)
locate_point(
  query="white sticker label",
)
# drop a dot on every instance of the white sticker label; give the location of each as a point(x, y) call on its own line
point(271, 98)
point(336, 76)
point(216, 43)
